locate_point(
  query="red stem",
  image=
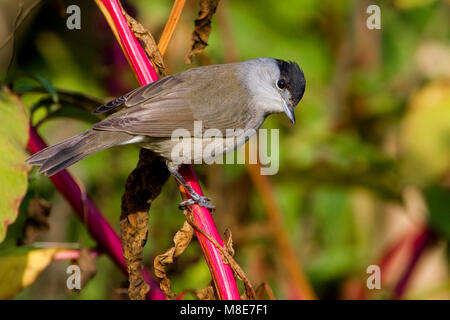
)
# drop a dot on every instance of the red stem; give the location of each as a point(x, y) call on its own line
point(222, 274)
point(142, 67)
point(421, 242)
point(107, 239)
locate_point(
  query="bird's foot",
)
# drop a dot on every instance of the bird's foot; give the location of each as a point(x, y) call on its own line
point(202, 201)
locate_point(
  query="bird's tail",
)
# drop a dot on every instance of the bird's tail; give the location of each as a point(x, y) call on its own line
point(62, 155)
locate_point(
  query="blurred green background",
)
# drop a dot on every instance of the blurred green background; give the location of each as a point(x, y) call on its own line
point(366, 169)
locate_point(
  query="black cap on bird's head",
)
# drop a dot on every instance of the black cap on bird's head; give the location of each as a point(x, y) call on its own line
point(293, 80)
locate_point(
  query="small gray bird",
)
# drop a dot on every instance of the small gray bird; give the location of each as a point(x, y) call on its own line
point(226, 96)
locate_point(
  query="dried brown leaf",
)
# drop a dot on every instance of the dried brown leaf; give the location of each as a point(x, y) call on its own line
point(229, 241)
point(181, 241)
point(148, 43)
point(207, 293)
point(202, 28)
point(36, 224)
point(134, 232)
point(142, 187)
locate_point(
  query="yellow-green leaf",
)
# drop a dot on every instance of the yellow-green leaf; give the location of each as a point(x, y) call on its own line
point(19, 268)
point(425, 134)
point(13, 169)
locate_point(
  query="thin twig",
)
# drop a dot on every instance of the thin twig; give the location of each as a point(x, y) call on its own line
point(167, 34)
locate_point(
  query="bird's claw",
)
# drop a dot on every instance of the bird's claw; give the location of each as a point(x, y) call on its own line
point(200, 200)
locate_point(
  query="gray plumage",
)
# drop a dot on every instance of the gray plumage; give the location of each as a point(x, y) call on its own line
point(229, 96)
point(62, 155)
point(177, 101)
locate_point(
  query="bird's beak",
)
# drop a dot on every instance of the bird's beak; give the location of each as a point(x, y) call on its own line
point(289, 112)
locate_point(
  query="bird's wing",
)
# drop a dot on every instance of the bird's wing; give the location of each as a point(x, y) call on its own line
point(139, 95)
point(186, 98)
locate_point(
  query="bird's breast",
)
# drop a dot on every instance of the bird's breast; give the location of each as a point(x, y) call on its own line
point(197, 150)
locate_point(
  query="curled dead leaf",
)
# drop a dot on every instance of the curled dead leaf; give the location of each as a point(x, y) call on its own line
point(134, 232)
point(207, 293)
point(229, 241)
point(181, 241)
point(202, 28)
point(148, 43)
point(143, 185)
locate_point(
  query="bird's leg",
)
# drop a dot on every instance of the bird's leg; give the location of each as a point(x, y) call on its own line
point(202, 201)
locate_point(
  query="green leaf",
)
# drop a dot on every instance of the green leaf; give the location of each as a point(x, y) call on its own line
point(43, 86)
point(13, 169)
point(48, 86)
point(437, 200)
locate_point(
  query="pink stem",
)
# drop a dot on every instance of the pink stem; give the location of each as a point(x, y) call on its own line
point(421, 242)
point(221, 273)
point(98, 227)
point(137, 57)
point(72, 254)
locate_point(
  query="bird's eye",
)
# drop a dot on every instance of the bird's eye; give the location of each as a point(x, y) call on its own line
point(281, 84)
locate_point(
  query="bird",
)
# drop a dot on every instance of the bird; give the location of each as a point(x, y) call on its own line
point(237, 96)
